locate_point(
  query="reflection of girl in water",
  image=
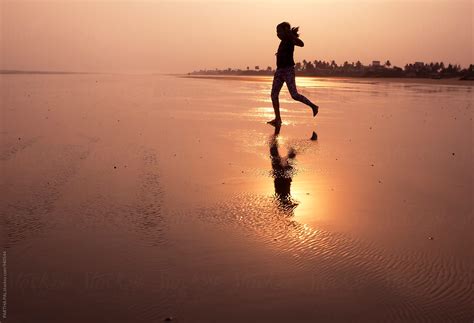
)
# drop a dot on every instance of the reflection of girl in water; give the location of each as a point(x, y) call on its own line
point(285, 71)
point(282, 172)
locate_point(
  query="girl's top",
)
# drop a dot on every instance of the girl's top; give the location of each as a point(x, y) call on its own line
point(285, 54)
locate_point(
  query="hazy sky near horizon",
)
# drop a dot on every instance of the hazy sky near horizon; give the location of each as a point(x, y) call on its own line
point(182, 36)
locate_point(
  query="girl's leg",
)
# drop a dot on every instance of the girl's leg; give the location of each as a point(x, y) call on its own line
point(278, 81)
point(291, 84)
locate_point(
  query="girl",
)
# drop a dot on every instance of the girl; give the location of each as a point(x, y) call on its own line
point(285, 71)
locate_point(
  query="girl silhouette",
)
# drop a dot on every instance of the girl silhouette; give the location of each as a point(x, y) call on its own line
point(285, 71)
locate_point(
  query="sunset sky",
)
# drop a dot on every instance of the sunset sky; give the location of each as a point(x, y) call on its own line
point(182, 36)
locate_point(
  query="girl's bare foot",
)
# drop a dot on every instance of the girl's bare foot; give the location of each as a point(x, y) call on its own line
point(275, 122)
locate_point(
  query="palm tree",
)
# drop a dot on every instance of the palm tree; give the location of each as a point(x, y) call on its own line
point(305, 64)
point(388, 64)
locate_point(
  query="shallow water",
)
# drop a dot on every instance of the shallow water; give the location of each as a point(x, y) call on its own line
point(132, 198)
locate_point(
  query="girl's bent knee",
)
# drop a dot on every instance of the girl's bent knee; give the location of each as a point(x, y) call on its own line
point(296, 96)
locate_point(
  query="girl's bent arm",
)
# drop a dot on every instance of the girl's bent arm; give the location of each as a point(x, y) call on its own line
point(298, 42)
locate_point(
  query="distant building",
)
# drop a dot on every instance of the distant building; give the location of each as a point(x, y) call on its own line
point(376, 63)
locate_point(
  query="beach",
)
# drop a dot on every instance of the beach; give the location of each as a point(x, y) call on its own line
point(137, 198)
point(340, 79)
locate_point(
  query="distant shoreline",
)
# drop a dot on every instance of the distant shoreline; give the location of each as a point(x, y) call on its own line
point(41, 72)
point(263, 78)
point(267, 77)
point(357, 70)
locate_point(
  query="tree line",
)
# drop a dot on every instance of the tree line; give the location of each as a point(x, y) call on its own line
point(357, 69)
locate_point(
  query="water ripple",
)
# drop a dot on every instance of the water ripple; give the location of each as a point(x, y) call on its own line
point(426, 288)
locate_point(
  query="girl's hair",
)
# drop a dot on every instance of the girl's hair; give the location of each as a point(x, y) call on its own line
point(287, 26)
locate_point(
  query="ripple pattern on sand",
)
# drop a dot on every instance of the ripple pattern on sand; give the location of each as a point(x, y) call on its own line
point(9, 151)
point(27, 206)
point(146, 214)
point(421, 287)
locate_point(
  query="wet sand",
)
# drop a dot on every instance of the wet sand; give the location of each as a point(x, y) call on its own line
point(341, 79)
point(132, 198)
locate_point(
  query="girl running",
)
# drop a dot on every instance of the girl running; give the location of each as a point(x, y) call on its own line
point(285, 71)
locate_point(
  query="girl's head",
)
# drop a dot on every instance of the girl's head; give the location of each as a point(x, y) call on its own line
point(284, 30)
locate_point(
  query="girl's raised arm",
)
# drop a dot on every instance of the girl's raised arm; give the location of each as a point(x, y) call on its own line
point(295, 36)
point(297, 41)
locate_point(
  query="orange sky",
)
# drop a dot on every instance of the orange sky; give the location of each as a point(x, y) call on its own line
point(182, 36)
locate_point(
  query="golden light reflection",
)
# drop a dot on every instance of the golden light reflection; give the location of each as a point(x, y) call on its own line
point(267, 114)
point(313, 82)
point(298, 193)
point(311, 201)
point(306, 82)
point(267, 99)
